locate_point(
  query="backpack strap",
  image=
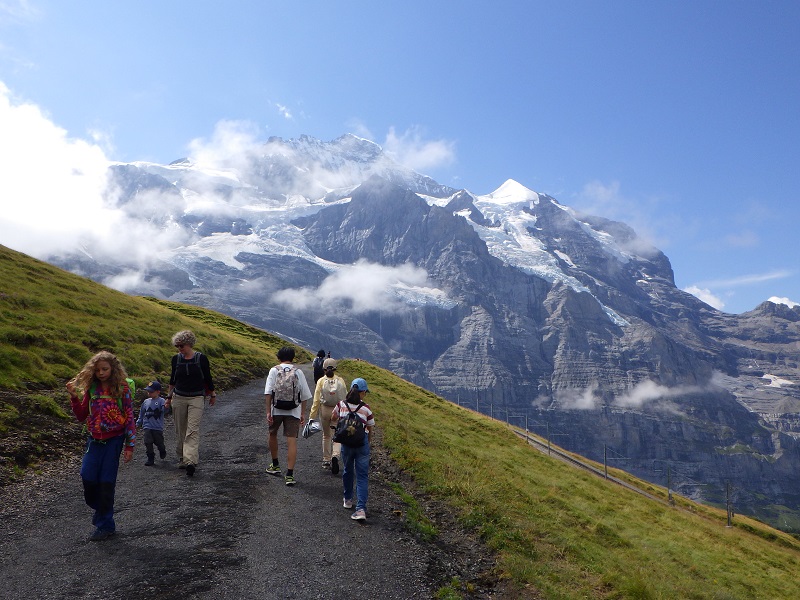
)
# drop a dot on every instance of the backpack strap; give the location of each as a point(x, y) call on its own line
point(360, 404)
point(93, 395)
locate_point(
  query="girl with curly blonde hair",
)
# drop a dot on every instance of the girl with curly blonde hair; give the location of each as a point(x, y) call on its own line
point(100, 397)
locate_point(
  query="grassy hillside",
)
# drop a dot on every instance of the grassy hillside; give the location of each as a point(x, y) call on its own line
point(52, 322)
point(558, 532)
point(565, 532)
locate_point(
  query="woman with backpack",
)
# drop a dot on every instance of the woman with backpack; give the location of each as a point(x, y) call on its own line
point(189, 383)
point(319, 366)
point(330, 390)
point(353, 421)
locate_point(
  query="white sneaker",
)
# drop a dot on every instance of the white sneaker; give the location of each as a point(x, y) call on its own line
point(359, 515)
point(347, 503)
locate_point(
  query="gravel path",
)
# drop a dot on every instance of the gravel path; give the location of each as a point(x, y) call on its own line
point(231, 531)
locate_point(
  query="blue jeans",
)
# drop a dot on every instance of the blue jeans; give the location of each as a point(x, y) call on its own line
point(99, 475)
point(356, 462)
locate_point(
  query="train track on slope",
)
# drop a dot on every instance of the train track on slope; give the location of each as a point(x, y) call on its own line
point(567, 458)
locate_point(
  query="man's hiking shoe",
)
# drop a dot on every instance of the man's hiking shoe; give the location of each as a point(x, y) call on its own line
point(347, 503)
point(359, 515)
point(335, 465)
point(100, 534)
point(190, 470)
point(273, 470)
point(150, 462)
point(162, 454)
point(289, 479)
point(326, 464)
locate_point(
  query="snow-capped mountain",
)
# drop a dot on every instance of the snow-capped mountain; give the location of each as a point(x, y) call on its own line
point(511, 303)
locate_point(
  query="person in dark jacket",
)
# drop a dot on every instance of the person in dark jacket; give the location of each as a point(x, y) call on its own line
point(319, 369)
point(189, 384)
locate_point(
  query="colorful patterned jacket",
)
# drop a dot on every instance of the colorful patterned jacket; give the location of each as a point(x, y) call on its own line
point(104, 415)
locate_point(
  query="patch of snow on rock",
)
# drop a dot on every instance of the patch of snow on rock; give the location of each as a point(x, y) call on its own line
point(775, 381)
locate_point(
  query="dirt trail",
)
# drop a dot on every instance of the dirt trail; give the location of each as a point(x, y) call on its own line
point(231, 531)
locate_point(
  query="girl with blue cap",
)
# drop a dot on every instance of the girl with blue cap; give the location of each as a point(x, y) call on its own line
point(355, 459)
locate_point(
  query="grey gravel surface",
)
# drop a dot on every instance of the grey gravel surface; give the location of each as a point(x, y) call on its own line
point(231, 531)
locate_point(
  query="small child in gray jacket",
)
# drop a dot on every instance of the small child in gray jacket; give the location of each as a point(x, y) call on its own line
point(151, 415)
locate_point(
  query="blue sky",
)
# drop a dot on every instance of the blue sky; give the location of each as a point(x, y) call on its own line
point(679, 118)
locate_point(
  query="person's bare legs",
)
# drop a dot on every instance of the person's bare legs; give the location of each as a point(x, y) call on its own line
point(273, 445)
point(291, 451)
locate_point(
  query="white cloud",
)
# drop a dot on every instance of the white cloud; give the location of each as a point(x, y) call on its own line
point(786, 301)
point(644, 393)
point(231, 145)
point(703, 289)
point(751, 279)
point(647, 392)
point(104, 140)
point(358, 288)
point(284, 111)
point(744, 239)
point(575, 399)
point(18, 10)
point(706, 296)
point(607, 200)
point(56, 194)
point(411, 150)
point(52, 184)
point(359, 128)
point(603, 197)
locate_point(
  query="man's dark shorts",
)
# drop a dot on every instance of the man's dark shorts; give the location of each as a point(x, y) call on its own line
point(291, 425)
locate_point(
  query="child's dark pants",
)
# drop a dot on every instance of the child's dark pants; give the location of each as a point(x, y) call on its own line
point(154, 436)
point(99, 474)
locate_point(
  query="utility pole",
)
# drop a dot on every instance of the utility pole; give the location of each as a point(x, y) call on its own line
point(548, 437)
point(728, 503)
point(669, 486)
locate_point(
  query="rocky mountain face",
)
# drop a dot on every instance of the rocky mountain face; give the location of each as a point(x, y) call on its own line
point(510, 303)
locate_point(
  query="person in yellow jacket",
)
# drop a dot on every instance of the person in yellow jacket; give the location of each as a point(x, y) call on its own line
point(329, 391)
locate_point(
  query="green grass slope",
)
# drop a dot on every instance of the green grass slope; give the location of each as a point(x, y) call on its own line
point(567, 533)
point(52, 322)
point(558, 532)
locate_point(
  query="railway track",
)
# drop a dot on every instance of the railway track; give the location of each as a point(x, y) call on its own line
point(567, 458)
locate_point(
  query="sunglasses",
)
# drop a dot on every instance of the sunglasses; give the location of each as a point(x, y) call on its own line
point(179, 345)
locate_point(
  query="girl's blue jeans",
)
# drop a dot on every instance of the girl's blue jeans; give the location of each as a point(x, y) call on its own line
point(356, 465)
point(99, 475)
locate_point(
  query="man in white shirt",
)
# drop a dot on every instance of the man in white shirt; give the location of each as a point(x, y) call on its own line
point(286, 393)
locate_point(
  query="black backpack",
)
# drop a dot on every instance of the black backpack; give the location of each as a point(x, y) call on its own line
point(350, 430)
point(317, 365)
